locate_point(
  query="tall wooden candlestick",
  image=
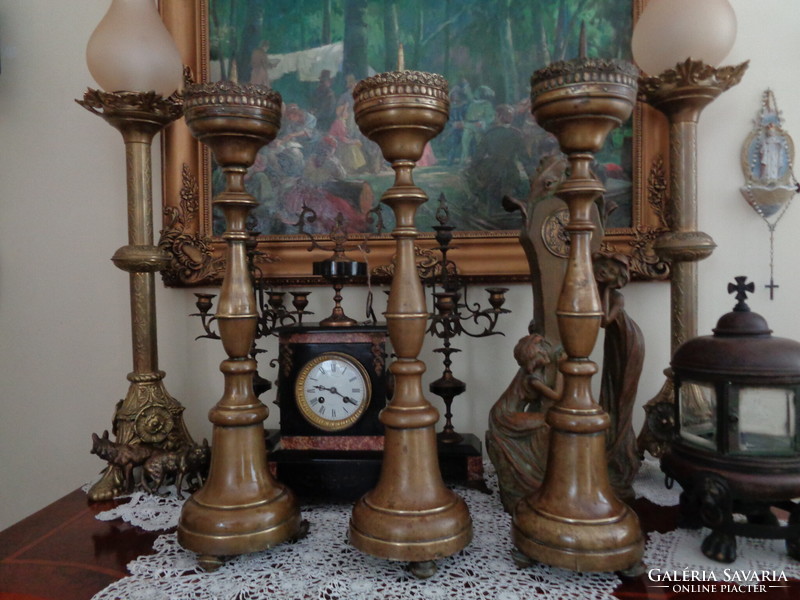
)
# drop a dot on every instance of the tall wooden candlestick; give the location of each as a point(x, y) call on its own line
point(241, 508)
point(574, 520)
point(410, 515)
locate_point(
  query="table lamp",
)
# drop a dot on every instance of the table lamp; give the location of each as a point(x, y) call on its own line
point(678, 45)
point(133, 58)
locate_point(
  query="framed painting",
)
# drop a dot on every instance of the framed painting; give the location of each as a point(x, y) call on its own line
point(313, 52)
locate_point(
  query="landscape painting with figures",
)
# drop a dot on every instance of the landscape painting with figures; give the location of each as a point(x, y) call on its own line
point(314, 51)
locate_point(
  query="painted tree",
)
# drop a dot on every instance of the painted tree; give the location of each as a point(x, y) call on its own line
point(391, 33)
point(355, 38)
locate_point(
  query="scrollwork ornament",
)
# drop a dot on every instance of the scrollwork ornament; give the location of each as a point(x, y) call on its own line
point(428, 265)
point(109, 104)
point(645, 263)
point(191, 255)
point(657, 191)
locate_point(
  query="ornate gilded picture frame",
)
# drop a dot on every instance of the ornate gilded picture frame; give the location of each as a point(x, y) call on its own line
point(323, 63)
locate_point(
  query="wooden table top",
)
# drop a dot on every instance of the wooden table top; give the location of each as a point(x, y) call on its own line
point(64, 553)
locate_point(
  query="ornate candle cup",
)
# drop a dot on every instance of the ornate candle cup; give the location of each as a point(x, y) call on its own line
point(574, 520)
point(241, 508)
point(410, 515)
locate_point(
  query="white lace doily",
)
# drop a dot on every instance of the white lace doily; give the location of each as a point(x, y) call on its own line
point(679, 551)
point(324, 566)
point(150, 512)
point(649, 484)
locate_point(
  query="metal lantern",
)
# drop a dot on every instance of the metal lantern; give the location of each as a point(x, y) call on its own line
point(736, 449)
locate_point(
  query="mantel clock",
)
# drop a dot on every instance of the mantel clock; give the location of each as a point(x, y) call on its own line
point(332, 386)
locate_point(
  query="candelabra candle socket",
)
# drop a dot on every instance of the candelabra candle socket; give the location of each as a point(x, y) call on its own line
point(204, 302)
point(574, 520)
point(410, 515)
point(497, 297)
point(241, 508)
point(300, 302)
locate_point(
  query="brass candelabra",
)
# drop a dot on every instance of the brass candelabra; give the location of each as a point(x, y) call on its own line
point(241, 508)
point(148, 414)
point(452, 312)
point(574, 520)
point(410, 515)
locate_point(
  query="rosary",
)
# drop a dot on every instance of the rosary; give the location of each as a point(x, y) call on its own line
point(770, 185)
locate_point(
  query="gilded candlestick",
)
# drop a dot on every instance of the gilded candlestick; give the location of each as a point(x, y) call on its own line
point(410, 515)
point(574, 520)
point(241, 508)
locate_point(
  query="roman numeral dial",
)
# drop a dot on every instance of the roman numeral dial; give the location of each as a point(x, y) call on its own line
point(332, 391)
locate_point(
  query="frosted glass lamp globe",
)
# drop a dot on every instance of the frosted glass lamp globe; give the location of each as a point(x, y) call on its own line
point(131, 50)
point(670, 31)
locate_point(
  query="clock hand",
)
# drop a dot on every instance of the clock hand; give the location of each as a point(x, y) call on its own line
point(326, 389)
point(333, 390)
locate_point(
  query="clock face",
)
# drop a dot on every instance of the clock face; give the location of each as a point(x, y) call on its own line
point(332, 391)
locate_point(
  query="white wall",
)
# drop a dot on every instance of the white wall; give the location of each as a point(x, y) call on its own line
point(64, 332)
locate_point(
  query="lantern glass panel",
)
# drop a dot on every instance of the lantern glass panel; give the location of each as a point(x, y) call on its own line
point(766, 420)
point(698, 414)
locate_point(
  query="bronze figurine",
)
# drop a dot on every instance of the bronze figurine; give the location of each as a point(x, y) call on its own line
point(518, 434)
point(623, 356)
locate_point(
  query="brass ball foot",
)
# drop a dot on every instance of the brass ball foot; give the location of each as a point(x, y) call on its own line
point(423, 570)
point(302, 532)
point(210, 563)
point(522, 561)
point(633, 572)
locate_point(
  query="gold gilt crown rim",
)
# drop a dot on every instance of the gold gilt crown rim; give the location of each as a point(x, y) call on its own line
point(410, 83)
point(583, 71)
point(231, 93)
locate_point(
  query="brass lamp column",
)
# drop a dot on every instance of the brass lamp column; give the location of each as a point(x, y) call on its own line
point(410, 515)
point(667, 32)
point(241, 508)
point(148, 414)
point(574, 520)
point(681, 94)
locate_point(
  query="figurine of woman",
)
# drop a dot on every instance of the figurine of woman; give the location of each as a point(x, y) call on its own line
point(623, 356)
point(517, 438)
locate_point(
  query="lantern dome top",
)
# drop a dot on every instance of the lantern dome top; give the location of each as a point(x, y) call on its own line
point(741, 349)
